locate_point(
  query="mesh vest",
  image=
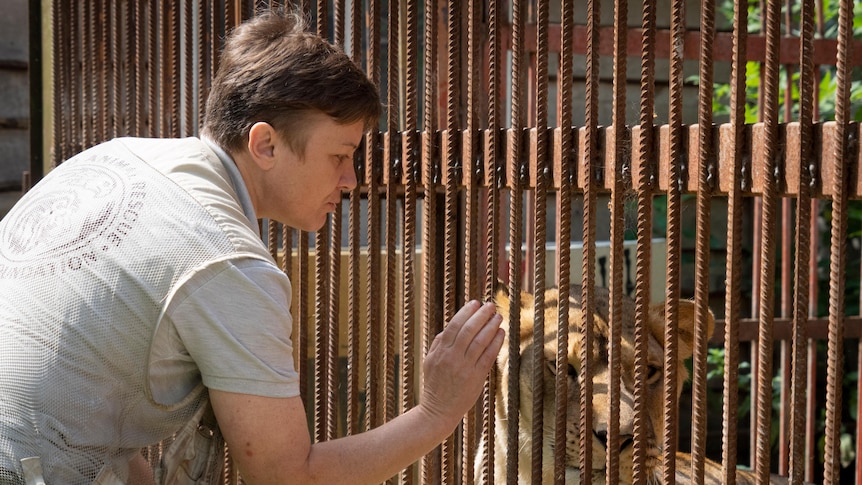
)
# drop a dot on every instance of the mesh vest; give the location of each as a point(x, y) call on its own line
point(88, 261)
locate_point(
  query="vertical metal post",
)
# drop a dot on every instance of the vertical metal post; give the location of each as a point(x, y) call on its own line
point(732, 308)
point(591, 173)
point(616, 169)
point(802, 284)
point(838, 250)
point(564, 215)
point(676, 182)
point(36, 67)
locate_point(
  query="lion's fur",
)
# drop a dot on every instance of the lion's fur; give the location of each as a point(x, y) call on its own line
point(600, 372)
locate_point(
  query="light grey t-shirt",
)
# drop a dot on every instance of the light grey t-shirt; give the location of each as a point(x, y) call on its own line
point(131, 277)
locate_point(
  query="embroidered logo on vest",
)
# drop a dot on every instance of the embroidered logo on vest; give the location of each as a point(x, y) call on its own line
point(72, 216)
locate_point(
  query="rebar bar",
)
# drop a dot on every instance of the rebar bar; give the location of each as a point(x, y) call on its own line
point(733, 263)
point(617, 237)
point(803, 242)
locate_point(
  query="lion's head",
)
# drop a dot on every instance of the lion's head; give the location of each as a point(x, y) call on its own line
point(653, 382)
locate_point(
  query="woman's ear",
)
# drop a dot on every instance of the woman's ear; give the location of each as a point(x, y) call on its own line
point(261, 144)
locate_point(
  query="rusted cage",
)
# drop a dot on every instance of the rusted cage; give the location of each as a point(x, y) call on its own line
point(676, 149)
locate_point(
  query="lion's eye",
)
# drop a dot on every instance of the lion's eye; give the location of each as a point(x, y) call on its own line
point(653, 374)
point(570, 369)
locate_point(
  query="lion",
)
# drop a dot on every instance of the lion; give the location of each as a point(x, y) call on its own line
point(654, 383)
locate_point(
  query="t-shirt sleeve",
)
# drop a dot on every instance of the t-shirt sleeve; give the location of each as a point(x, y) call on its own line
point(233, 318)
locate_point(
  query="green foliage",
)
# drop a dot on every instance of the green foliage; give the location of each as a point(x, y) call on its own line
point(788, 92)
point(827, 87)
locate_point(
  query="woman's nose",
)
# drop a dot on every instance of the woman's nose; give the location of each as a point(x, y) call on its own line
point(348, 177)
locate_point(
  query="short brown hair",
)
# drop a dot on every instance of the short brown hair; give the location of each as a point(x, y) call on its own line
point(272, 70)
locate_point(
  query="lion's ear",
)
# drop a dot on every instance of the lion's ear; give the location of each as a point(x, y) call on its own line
point(686, 327)
point(501, 299)
point(504, 308)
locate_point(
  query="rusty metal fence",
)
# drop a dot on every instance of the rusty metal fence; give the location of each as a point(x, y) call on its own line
point(677, 149)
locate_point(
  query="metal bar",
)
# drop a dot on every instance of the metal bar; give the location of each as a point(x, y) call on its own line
point(706, 178)
point(287, 251)
point(811, 409)
point(172, 83)
point(541, 171)
point(515, 177)
point(353, 274)
point(675, 183)
point(757, 272)
point(492, 177)
point(768, 248)
point(391, 164)
point(59, 66)
point(154, 69)
point(408, 346)
point(472, 164)
point(333, 310)
point(564, 216)
point(88, 55)
point(74, 80)
point(374, 392)
point(322, 16)
point(411, 157)
point(784, 365)
point(101, 83)
point(94, 106)
point(451, 181)
point(809, 374)
point(644, 177)
point(617, 173)
point(188, 72)
point(203, 75)
point(786, 180)
point(37, 65)
point(591, 173)
point(322, 404)
point(816, 328)
point(838, 250)
point(302, 317)
point(100, 73)
point(217, 34)
point(825, 50)
point(159, 85)
point(804, 242)
point(135, 67)
point(338, 23)
point(733, 264)
point(430, 323)
point(353, 305)
point(272, 238)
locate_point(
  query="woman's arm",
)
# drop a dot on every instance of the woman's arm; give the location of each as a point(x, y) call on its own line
point(269, 438)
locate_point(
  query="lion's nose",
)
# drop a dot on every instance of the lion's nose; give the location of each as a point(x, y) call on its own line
point(625, 439)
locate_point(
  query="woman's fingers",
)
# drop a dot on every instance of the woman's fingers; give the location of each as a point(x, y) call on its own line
point(450, 334)
point(484, 337)
point(472, 330)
